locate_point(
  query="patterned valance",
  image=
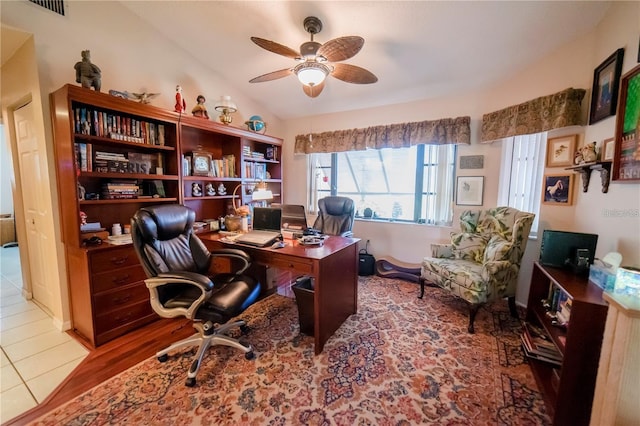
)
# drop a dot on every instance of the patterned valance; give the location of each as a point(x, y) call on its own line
point(437, 132)
point(561, 109)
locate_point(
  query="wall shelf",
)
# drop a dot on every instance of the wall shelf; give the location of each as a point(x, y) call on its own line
point(604, 167)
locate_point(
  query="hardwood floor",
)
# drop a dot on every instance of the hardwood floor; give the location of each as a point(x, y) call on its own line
point(110, 359)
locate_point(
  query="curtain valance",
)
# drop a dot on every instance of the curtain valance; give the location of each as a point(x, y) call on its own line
point(436, 132)
point(561, 109)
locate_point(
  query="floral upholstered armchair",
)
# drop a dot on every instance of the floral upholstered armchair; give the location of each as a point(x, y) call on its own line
point(483, 260)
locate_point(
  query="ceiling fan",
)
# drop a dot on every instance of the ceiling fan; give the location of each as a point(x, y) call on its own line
point(316, 61)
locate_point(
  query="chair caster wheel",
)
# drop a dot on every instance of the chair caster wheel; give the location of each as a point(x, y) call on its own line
point(191, 382)
point(244, 329)
point(249, 355)
point(163, 358)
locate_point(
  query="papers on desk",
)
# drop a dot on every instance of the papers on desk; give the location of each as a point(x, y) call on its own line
point(120, 239)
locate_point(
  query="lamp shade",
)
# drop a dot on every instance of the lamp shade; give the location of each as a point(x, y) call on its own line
point(311, 73)
point(225, 103)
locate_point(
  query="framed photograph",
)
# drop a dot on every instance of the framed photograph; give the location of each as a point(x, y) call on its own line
point(608, 149)
point(470, 190)
point(604, 95)
point(201, 164)
point(560, 151)
point(558, 189)
point(626, 158)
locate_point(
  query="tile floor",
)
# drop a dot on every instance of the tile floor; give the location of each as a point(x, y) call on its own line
point(35, 357)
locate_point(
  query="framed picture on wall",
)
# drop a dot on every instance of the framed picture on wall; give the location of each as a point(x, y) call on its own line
point(626, 159)
point(470, 190)
point(558, 189)
point(608, 149)
point(560, 151)
point(604, 95)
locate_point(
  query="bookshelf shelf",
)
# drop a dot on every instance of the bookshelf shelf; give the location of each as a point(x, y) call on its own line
point(127, 201)
point(568, 388)
point(97, 140)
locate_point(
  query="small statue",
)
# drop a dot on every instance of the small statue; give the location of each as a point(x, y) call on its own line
point(181, 105)
point(589, 154)
point(200, 110)
point(222, 190)
point(196, 189)
point(210, 189)
point(88, 74)
point(143, 98)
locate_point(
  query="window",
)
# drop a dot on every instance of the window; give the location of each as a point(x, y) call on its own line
point(413, 184)
point(521, 174)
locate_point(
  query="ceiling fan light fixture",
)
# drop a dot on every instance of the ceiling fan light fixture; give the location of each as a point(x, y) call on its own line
point(311, 73)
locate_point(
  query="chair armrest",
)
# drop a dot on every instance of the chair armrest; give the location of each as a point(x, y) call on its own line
point(496, 266)
point(202, 282)
point(240, 255)
point(347, 234)
point(442, 251)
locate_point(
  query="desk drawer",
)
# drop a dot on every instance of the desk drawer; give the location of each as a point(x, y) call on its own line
point(117, 278)
point(110, 260)
point(110, 300)
point(291, 263)
point(108, 320)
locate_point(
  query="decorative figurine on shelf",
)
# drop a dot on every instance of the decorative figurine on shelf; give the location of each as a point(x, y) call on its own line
point(143, 98)
point(210, 189)
point(222, 190)
point(88, 74)
point(589, 154)
point(200, 110)
point(196, 189)
point(83, 218)
point(81, 192)
point(577, 157)
point(181, 105)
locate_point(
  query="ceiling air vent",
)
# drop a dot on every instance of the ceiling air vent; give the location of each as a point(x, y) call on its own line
point(56, 6)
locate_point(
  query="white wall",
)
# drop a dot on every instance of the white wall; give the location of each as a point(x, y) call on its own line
point(570, 66)
point(6, 172)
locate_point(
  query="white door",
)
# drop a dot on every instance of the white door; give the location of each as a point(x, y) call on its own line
point(36, 210)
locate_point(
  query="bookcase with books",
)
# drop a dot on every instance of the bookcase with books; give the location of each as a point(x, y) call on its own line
point(562, 336)
point(113, 156)
point(217, 158)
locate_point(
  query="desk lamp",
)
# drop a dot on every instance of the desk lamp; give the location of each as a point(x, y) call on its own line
point(226, 106)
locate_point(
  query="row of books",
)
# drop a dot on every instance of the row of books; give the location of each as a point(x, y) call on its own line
point(120, 189)
point(104, 124)
point(271, 153)
point(558, 305)
point(220, 167)
point(255, 170)
point(538, 345)
point(114, 162)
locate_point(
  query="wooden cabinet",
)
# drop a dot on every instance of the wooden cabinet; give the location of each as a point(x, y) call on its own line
point(114, 156)
point(568, 390)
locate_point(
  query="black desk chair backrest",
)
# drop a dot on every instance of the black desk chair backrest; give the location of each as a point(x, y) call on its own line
point(335, 216)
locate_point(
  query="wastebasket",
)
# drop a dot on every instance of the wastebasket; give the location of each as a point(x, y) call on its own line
point(303, 289)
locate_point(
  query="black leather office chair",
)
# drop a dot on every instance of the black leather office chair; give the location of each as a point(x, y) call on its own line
point(177, 264)
point(335, 216)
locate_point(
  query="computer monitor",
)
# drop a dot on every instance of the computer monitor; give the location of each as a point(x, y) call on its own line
point(567, 249)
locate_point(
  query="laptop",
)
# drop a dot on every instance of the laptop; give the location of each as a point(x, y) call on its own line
point(266, 227)
point(294, 218)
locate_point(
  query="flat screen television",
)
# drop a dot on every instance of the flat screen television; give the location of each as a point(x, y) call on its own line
point(562, 249)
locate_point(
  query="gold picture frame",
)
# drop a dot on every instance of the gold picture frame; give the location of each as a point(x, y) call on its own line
point(557, 189)
point(608, 149)
point(560, 151)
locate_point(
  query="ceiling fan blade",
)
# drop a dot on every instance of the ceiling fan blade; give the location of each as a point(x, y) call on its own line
point(341, 48)
point(274, 47)
point(271, 76)
point(313, 91)
point(353, 74)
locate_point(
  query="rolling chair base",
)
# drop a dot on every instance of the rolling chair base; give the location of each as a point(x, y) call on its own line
point(206, 337)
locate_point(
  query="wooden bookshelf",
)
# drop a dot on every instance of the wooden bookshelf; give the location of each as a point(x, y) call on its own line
point(568, 389)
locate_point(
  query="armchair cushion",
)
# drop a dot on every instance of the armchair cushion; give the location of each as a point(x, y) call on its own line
point(468, 246)
point(497, 249)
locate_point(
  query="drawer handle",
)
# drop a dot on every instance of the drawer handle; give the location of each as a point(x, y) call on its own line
point(122, 299)
point(123, 319)
point(121, 280)
point(119, 260)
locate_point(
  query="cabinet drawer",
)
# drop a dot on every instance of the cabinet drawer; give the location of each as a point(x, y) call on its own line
point(119, 317)
point(117, 278)
point(110, 300)
point(289, 263)
point(110, 260)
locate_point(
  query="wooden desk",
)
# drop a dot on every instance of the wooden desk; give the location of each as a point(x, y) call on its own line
point(334, 266)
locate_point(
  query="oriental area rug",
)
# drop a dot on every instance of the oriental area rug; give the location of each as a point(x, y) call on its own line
point(399, 361)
